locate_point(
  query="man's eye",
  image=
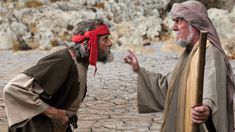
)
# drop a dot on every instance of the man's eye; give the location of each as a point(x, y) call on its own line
point(177, 20)
point(106, 38)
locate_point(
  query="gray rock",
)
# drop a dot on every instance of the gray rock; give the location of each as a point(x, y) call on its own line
point(19, 28)
point(222, 22)
point(134, 23)
point(44, 37)
point(7, 39)
point(91, 2)
point(134, 33)
point(232, 15)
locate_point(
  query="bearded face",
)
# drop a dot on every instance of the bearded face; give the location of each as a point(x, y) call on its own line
point(184, 32)
point(104, 46)
point(186, 41)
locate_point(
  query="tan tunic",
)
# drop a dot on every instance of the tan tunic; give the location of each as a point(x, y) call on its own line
point(153, 87)
point(21, 98)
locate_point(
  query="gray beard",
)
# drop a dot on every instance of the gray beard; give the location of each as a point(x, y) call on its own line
point(187, 41)
point(181, 43)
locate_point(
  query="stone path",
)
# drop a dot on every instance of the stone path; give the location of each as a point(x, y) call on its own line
point(110, 104)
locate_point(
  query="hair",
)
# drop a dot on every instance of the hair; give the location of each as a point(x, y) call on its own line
point(87, 25)
point(79, 29)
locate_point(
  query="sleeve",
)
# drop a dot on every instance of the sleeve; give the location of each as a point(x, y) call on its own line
point(215, 88)
point(22, 100)
point(151, 91)
point(214, 79)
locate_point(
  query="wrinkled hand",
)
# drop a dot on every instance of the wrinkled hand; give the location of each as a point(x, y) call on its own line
point(58, 115)
point(132, 60)
point(200, 114)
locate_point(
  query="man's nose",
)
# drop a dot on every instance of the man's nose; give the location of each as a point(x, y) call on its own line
point(110, 43)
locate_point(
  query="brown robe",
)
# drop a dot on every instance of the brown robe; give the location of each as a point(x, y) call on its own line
point(23, 94)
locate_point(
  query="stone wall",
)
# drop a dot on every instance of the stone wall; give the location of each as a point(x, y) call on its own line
point(42, 24)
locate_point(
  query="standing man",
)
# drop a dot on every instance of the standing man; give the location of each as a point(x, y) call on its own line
point(174, 93)
point(46, 96)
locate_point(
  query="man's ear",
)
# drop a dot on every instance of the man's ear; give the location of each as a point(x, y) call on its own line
point(83, 49)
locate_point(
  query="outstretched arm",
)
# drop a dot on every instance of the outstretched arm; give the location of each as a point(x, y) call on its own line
point(151, 87)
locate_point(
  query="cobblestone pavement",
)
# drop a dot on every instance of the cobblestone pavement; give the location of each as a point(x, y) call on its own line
point(110, 104)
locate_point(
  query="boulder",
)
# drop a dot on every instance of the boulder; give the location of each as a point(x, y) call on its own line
point(223, 22)
point(7, 40)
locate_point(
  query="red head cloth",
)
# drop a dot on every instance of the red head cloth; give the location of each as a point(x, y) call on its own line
point(92, 42)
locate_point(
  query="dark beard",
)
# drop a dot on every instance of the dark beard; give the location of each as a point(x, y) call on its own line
point(105, 58)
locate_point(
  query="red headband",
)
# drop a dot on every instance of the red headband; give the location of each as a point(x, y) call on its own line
point(92, 43)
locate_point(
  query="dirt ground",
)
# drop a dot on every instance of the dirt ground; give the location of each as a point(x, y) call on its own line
point(110, 104)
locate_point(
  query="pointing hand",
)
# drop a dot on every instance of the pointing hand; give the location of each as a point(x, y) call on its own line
point(132, 60)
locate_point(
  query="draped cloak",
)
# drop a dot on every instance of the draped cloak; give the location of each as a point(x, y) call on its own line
point(195, 13)
point(173, 93)
point(218, 78)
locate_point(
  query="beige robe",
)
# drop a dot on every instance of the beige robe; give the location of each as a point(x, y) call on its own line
point(153, 87)
point(21, 98)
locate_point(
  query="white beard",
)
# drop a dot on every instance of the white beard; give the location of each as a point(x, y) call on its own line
point(187, 41)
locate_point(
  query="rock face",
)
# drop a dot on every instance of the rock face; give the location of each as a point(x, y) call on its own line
point(42, 24)
point(138, 31)
point(42, 21)
point(223, 21)
point(222, 4)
